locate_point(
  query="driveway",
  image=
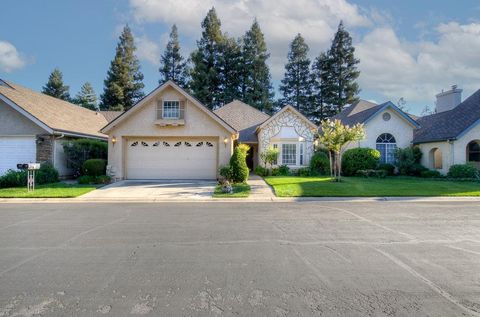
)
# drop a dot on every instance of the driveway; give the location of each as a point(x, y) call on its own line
point(244, 259)
point(154, 190)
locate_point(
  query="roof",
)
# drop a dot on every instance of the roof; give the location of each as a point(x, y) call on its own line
point(110, 115)
point(52, 114)
point(295, 111)
point(449, 124)
point(160, 88)
point(244, 118)
point(362, 111)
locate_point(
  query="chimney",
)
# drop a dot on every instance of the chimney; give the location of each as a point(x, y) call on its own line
point(447, 100)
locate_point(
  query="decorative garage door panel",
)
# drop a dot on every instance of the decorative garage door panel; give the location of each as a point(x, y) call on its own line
point(181, 158)
point(14, 150)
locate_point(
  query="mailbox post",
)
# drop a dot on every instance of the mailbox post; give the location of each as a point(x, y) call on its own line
point(30, 168)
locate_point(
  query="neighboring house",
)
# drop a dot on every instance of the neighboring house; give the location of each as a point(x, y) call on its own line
point(34, 126)
point(171, 135)
point(287, 130)
point(450, 136)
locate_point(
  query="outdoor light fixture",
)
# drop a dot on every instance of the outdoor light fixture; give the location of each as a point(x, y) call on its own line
point(225, 141)
point(114, 140)
point(315, 142)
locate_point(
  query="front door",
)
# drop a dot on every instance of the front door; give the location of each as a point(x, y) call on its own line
point(250, 156)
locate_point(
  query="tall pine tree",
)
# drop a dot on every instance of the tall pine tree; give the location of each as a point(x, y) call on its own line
point(55, 86)
point(256, 85)
point(230, 70)
point(173, 65)
point(206, 83)
point(323, 84)
point(296, 85)
point(344, 69)
point(86, 97)
point(123, 86)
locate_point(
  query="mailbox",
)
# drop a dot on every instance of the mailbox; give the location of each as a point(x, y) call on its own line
point(28, 166)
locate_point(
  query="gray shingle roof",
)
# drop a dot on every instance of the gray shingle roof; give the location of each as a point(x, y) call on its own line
point(244, 118)
point(357, 112)
point(449, 124)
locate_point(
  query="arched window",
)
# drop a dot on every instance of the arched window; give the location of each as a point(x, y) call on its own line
point(435, 159)
point(387, 145)
point(473, 151)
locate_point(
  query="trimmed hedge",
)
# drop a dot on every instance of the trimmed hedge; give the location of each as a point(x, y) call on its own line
point(320, 163)
point(430, 174)
point(462, 171)
point(357, 159)
point(261, 171)
point(238, 163)
point(94, 167)
point(94, 180)
point(225, 172)
point(45, 175)
point(79, 150)
point(389, 168)
point(408, 161)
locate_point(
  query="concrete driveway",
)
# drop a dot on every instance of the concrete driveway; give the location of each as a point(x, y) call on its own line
point(148, 190)
point(244, 259)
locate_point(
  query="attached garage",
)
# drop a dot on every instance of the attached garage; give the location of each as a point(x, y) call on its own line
point(171, 158)
point(16, 149)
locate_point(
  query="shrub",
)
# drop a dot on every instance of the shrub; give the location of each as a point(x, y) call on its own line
point(430, 174)
point(372, 173)
point(91, 180)
point(303, 172)
point(462, 171)
point(13, 179)
point(80, 150)
point(238, 163)
point(269, 156)
point(408, 161)
point(225, 172)
point(261, 171)
point(94, 167)
point(46, 174)
point(389, 168)
point(320, 163)
point(359, 159)
point(283, 170)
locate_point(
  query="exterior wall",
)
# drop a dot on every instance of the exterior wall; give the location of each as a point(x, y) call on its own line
point(396, 126)
point(60, 161)
point(14, 123)
point(275, 132)
point(460, 145)
point(45, 148)
point(446, 150)
point(141, 123)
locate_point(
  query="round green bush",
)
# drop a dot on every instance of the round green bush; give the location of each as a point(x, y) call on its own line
point(94, 167)
point(462, 171)
point(388, 168)
point(226, 172)
point(320, 163)
point(238, 163)
point(261, 171)
point(357, 159)
point(47, 174)
point(13, 179)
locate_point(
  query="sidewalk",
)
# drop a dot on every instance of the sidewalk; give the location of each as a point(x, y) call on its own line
point(260, 191)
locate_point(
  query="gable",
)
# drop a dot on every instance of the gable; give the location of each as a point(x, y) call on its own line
point(13, 122)
point(141, 117)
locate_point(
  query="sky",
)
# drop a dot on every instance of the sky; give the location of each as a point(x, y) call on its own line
point(408, 49)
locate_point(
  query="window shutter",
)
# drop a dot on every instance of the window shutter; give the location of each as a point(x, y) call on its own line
point(182, 109)
point(159, 109)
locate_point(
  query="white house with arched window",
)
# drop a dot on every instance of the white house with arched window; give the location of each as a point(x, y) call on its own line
point(450, 136)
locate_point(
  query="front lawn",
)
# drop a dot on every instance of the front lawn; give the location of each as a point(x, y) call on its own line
point(55, 190)
point(239, 191)
point(369, 187)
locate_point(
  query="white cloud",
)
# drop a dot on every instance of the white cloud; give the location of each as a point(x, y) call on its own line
point(10, 58)
point(280, 20)
point(419, 70)
point(148, 50)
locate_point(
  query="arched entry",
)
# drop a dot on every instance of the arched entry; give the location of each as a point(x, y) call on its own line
point(435, 159)
point(473, 152)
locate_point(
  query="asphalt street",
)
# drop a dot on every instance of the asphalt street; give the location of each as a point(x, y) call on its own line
point(240, 259)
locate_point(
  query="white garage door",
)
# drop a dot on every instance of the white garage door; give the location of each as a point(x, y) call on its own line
point(15, 150)
point(180, 158)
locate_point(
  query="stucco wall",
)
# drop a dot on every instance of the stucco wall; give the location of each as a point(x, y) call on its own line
point(460, 145)
point(446, 150)
point(14, 123)
point(141, 123)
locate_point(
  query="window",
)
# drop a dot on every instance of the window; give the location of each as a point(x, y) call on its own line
point(473, 151)
point(387, 145)
point(171, 110)
point(275, 146)
point(302, 145)
point(289, 154)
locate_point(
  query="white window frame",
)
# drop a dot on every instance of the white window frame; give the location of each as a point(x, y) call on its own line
point(289, 163)
point(301, 157)
point(170, 117)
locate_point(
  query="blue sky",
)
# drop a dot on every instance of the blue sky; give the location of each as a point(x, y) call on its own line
point(409, 49)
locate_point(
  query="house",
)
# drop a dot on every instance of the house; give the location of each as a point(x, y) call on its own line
point(171, 135)
point(450, 136)
point(34, 126)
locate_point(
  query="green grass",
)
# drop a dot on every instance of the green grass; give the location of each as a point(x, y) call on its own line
point(55, 190)
point(370, 187)
point(239, 191)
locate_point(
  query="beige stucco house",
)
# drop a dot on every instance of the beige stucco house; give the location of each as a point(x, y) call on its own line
point(34, 126)
point(171, 135)
point(450, 136)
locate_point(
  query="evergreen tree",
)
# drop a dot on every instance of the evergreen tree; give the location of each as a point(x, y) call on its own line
point(256, 84)
point(123, 86)
point(322, 88)
point(206, 59)
point(230, 71)
point(55, 86)
point(172, 64)
point(344, 69)
point(296, 85)
point(86, 97)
